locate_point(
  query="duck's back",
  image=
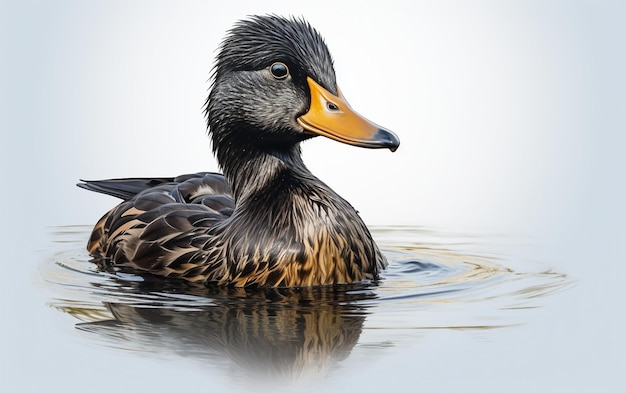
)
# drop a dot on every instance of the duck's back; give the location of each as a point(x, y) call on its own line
point(162, 223)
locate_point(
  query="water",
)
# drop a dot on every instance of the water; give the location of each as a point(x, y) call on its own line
point(435, 281)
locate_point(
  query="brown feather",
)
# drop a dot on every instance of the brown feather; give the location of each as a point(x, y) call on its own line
point(298, 244)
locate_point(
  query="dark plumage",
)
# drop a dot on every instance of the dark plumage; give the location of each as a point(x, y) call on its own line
point(268, 221)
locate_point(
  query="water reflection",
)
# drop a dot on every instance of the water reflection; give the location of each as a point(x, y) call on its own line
point(294, 334)
point(269, 334)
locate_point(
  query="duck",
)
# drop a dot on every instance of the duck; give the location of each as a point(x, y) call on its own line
point(266, 221)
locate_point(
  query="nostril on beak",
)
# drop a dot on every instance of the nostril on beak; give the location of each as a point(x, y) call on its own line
point(332, 106)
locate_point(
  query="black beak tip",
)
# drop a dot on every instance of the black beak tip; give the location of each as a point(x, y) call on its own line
point(388, 139)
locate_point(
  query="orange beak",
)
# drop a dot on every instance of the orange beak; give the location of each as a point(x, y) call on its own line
point(331, 116)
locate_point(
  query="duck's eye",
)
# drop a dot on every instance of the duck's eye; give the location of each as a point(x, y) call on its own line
point(279, 70)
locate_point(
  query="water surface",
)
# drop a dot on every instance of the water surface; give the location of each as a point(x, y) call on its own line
point(435, 281)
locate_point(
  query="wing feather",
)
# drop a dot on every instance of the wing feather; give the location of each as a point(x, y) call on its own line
point(163, 225)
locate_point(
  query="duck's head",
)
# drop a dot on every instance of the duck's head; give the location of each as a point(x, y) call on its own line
point(274, 86)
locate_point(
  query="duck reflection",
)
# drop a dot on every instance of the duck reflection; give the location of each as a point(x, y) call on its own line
point(263, 333)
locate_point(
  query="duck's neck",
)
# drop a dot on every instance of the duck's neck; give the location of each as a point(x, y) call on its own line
point(252, 159)
point(253, 170)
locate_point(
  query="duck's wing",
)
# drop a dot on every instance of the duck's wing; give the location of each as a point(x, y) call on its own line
point(160, 228)
point(129, 187)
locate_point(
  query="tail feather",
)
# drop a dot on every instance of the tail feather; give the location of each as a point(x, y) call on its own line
point(123, 188)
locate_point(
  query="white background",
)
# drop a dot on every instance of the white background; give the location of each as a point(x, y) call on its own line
point(509, 113)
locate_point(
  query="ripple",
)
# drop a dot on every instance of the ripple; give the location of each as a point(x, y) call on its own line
point(434, 281)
